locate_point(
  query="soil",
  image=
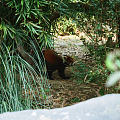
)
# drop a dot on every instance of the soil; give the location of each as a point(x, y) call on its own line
point(68, 92)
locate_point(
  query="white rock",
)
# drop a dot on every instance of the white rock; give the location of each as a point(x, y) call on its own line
point(101, 108)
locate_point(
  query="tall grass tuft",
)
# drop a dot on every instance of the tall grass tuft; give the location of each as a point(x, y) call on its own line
point(21, 86)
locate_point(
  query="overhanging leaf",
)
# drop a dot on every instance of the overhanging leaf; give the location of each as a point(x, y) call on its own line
point(113, 78)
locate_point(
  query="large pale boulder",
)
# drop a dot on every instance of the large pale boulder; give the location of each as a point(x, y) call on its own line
point(101, 108)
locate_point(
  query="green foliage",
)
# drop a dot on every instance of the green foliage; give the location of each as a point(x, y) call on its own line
point(113, 63)
point(99, 20)
point(66, 26)
point(34, 18)
point(75, 100)
point(90, 72)
point(24, 81)
point(113, 60)
point(94, 74)
point(20, 85)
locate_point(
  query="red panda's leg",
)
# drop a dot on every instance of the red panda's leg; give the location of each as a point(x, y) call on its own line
point(61, 72)
point(50, 75)
point(50, 70)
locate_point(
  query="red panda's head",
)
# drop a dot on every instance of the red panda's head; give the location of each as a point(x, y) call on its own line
point(68, 61)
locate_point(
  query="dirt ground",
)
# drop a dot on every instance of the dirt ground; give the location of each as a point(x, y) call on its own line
point(68, 92)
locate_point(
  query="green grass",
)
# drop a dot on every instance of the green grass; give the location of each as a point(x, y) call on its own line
point(89, 73)
point(94, 71)
point(21, 87)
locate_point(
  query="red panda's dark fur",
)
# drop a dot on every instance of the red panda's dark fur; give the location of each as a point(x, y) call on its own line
point(56, 62)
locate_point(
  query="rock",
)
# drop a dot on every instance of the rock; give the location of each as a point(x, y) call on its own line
point(101, 108)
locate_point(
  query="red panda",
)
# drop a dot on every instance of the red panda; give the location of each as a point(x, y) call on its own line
point(56, 62)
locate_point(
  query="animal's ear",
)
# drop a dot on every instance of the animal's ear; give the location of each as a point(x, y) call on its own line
point(68, 60)
point(65, 58)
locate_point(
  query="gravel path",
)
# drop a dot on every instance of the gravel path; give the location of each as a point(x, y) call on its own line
point(70, 45)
